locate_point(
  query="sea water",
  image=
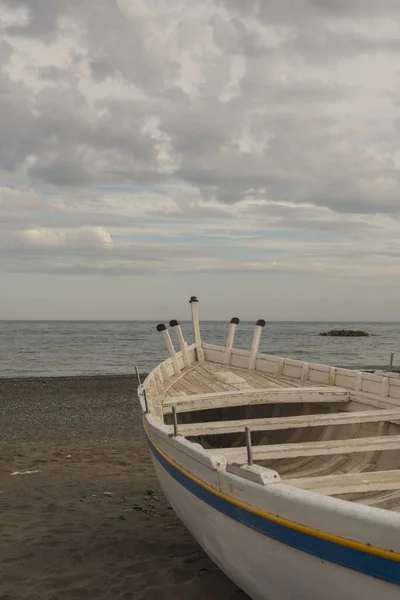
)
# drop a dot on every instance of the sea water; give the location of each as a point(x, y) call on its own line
point(54, 348)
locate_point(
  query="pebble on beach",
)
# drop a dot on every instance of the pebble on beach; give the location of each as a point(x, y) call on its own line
point(83, 517)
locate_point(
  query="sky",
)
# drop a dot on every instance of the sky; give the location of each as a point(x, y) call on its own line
point(246, 152)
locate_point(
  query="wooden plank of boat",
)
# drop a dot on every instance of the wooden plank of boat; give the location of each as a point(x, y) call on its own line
point(259, 378)
point(324, 448)
point(375, 481)
point(278, 423)
point(256, 396)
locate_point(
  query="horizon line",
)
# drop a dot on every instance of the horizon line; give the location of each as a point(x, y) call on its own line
point(189, 321)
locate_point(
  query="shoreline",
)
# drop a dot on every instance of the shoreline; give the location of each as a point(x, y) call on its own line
point(132, 376)
point(19, 378)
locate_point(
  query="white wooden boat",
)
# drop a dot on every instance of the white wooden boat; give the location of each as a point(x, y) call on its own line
point(287, 473)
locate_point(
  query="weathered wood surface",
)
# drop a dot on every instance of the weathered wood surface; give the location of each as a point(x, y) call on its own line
point(259, 378)
point(324, 448)
point(201, 377)
point(279, 423)
point(256, 396)
point(375, 481)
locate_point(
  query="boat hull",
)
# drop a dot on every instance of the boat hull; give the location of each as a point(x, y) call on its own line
point(264, 568)
point(303, 502)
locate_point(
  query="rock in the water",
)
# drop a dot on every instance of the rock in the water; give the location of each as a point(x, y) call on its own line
point(346, 333)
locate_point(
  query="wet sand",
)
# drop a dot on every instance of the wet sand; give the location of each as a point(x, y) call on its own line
point(82, 514)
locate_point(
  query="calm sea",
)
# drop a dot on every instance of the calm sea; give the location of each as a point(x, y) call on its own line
point(75, 348)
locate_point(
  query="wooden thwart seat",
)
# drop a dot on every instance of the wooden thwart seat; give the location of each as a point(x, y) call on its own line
point(256, 396)
point(376, 481)
point(279, 423)
point(324, 448)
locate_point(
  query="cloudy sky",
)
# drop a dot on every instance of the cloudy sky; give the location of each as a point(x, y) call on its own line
point(243, 151)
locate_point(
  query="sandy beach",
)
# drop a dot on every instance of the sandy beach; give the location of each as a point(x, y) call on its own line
point(82, 513)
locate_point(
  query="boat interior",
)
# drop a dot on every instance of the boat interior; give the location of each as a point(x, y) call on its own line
point(331, 431)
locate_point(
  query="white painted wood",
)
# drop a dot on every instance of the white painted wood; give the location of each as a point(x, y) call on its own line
point(305, 374)
point(194, 304)
point(190, 386)
point(394, 389)
point(332, 376)
point(254, 346)
point(165, 373)
point(385, 387)
point(393, 375)
point(160, 376)
point(182, 345)
point(255, 473)
point(257, 396)
point(171, 351)
point(318, 373)
point(319, 367)
point(358, 381)
point(230, 340)
point(169, 376)
point(159, 381)
point(207, 383)
point(231, 378)
point(292, 370)
point(292, 362)
point(312, 467)
point(345, 378)
point(153, 387)
point(214, 354)
point(281, 423)
point(267, 363)
point(256, 379)
point(170, 367)
point(192, 353)
point(240, 358)
point(374, 481)
point(371, 383)
point(346, 372)
point(179, 388)
point(280, 365)
point(361, 398)
point(219, 349)
point(325, 448)
point(386, 500)
point(372, 377)
point(179, 358)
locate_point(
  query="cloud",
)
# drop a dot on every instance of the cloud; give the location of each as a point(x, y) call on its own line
point(47, 238)
point(213, 137)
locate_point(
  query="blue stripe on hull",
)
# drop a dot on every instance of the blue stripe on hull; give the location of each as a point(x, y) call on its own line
point(368, 564)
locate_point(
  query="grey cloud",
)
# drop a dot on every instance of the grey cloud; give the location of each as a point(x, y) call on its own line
point(52, 73)
point(102, 67)
point(61, 172)
point(72, 254)
point(308, 156)
point(295, 10)
point(333, 226)
point(42, 17)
